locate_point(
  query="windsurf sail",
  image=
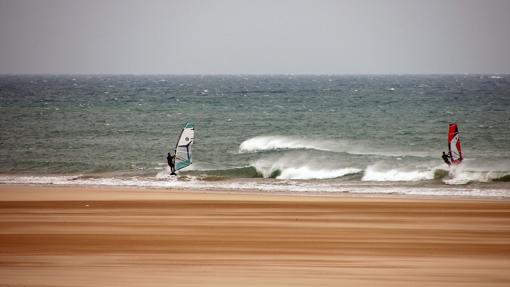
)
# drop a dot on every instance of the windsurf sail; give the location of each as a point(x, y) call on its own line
point(454, 148)
point(183, 147)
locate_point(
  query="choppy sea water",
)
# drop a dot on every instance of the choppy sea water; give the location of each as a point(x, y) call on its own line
point(355, 134)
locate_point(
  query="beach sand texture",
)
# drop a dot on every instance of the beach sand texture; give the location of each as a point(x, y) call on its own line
point(88, 236)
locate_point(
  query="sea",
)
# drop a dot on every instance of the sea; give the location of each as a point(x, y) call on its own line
point(306, 134)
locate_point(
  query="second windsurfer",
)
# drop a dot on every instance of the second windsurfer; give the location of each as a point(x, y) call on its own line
point(446, 158)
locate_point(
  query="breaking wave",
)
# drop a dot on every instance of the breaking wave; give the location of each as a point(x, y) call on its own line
point(462, 176)
point(297, 165)
point(264, 143)
point(374, 173)
point(305, 172)
point(280, 142)
point(274, 171)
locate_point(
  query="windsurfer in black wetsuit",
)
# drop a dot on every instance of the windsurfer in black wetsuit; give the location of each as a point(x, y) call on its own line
point(446, 158)
point(171, 163)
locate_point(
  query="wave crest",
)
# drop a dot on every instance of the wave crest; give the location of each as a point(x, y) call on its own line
point(305, 172)
point(357, 147)
point(264, 143)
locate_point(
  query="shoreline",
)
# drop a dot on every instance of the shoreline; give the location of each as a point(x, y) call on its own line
point(250, 192)
point(408, 189)
point(96, 236)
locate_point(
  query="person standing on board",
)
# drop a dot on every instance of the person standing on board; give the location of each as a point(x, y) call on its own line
point(171, 163)
point(445, 158)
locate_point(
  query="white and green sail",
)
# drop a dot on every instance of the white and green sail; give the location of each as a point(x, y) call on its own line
point(183, 147)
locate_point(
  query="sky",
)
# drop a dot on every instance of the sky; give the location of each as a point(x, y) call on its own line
point(254, 37)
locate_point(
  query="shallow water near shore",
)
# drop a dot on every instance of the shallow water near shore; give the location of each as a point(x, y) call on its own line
point(358, 134)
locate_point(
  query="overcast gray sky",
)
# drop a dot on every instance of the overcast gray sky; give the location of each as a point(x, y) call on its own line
point(254, 37)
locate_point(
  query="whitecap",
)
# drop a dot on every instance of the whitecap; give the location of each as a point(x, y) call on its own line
point(265, 143)
point(376, 173)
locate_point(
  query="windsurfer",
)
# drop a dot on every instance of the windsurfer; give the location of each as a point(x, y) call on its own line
point(171, 163)
point(445, 158)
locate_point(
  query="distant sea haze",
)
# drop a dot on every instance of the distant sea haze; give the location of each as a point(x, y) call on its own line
point(357, 134)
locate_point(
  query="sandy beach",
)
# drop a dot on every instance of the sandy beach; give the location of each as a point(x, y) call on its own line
point(91, 236)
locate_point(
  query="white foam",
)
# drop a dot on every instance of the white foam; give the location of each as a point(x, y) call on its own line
point(164, 174)
point(463, 175)
point(261, 185)
point(302, 166)
point(465, 178)
point(376, 173)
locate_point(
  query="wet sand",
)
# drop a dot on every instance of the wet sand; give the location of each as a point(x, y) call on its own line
point(90, 236)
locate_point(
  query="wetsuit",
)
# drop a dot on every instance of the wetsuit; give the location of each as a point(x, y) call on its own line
point(445, 158)
point(171, 162)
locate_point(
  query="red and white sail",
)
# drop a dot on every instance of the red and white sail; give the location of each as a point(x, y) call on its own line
point(454, 148)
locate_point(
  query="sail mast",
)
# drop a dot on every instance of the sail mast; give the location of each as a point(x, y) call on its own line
point(183, 147)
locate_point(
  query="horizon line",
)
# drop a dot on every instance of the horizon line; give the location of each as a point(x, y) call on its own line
point(252, 74)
